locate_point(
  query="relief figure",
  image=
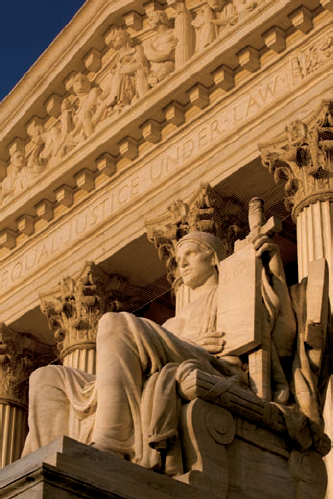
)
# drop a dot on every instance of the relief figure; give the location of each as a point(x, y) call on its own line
point(160, 49)
point(127, 80)
point(77, 118)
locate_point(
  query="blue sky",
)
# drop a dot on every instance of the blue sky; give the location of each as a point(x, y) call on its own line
point(27, 29)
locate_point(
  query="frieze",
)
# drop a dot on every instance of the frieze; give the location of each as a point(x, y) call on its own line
point(172, 158)
point(131, 68)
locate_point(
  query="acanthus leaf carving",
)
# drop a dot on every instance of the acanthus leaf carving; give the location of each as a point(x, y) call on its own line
point(20, 354)
point(75, 307)
point(303, 158)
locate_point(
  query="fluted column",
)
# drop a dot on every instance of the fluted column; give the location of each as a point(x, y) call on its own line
point(314, 234)
point(73, 310)
point(20, 354)
point(305, 161)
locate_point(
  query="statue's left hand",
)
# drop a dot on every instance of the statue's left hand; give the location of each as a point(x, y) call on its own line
point(266, 246)
point(213, 342)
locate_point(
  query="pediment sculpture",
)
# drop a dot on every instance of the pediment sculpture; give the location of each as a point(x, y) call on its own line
point(132, 68)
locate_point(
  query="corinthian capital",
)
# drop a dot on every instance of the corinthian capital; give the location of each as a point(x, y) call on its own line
point(20, 354)
point(303, 158)
point(74, 308)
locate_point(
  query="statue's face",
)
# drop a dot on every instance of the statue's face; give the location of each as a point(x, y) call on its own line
point(37, 135)
point(17, 160)
point(119, 40)
point(81, 84)
point(196, 264)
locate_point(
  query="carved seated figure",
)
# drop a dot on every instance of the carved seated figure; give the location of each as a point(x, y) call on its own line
point(78, 118)
point(160, 49)
point(144, 370)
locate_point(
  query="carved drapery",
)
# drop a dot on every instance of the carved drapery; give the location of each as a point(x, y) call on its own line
point(20, 354)
point(207, 211)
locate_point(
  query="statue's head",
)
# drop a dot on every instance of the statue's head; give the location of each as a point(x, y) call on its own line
point(81, 84)
point(158, 18)
point(216, 4)
point(18, 160)
point(119, 37)
point(198, 255)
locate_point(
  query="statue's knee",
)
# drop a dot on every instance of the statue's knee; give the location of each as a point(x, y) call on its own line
point(43, 377)
point(109, 323)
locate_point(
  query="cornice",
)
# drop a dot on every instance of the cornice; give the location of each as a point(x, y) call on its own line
point(106, 138)
point(49, 67)
point(86, 29)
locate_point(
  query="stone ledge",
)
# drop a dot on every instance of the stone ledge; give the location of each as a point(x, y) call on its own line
point(66, 469)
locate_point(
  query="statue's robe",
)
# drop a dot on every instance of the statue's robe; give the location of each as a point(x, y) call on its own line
point(131, 406)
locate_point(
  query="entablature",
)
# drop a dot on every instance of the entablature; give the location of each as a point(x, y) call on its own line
point(143, 129)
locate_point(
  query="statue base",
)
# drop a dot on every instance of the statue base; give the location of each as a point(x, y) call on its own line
point(67, 469)
point(225, 457)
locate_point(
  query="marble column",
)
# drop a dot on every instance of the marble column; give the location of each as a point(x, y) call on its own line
point(73, 310)
point(305, 162)
point(20, 354)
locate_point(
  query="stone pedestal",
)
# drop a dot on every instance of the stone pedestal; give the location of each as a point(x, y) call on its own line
point(66, 469)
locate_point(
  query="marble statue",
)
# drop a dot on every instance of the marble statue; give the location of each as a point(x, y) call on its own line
point(228, 16)
point(22, 173)
point(204, 24)
point(160, 48)
point(77, 118)
point(144, 370)
point(128, 70)
point(36, 161)
point(212, 18)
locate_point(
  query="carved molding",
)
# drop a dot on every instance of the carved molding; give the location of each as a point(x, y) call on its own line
point(207, 211)
point(309, 471)
point(303, 159)
point(20, 354)
point(129, 70)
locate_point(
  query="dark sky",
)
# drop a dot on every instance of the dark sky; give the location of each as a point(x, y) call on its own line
point(27, 29)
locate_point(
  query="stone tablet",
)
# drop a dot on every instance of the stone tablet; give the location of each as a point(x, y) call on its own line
point(239, 301)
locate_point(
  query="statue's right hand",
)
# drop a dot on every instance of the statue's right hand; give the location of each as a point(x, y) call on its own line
point(213, 342)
